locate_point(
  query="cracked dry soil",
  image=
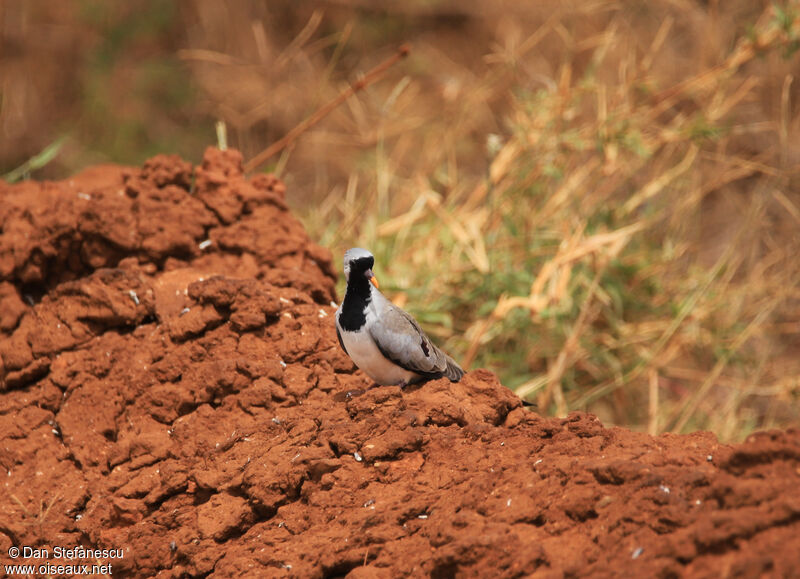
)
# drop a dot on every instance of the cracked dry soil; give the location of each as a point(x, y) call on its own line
point(171, 385)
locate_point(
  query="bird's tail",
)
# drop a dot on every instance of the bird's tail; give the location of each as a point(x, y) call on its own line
point(453, 371)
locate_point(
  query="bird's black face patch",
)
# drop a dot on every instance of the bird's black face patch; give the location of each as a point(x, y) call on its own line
point(357, 295)
point(361, 265)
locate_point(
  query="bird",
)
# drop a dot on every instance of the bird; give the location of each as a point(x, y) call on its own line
point(383, 340)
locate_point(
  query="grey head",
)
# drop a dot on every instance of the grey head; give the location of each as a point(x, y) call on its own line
point(358, 260)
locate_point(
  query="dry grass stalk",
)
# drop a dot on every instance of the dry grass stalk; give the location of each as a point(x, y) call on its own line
point(371, 76)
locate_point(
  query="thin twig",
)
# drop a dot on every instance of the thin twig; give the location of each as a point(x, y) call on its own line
point(653, 406)
point(324, 110)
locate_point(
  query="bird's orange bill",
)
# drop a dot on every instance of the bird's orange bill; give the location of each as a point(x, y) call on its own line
point(374, 281)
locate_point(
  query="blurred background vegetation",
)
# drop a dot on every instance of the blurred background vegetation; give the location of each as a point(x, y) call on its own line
point(596, 199)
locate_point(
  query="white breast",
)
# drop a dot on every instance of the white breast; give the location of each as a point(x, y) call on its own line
point(365, 354)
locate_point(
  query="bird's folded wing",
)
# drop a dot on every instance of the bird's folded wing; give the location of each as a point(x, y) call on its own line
point(399, 338)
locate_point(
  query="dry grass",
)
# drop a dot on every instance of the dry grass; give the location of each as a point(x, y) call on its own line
point(631, 247)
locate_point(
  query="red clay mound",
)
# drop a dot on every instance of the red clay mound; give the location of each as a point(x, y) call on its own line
point(171, 387)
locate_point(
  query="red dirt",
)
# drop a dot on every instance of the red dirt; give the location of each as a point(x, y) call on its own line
point(188, 403)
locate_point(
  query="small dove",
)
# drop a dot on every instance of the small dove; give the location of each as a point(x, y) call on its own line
point(383, 340)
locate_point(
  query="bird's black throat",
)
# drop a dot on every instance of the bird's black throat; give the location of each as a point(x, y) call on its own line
point(356, 298)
